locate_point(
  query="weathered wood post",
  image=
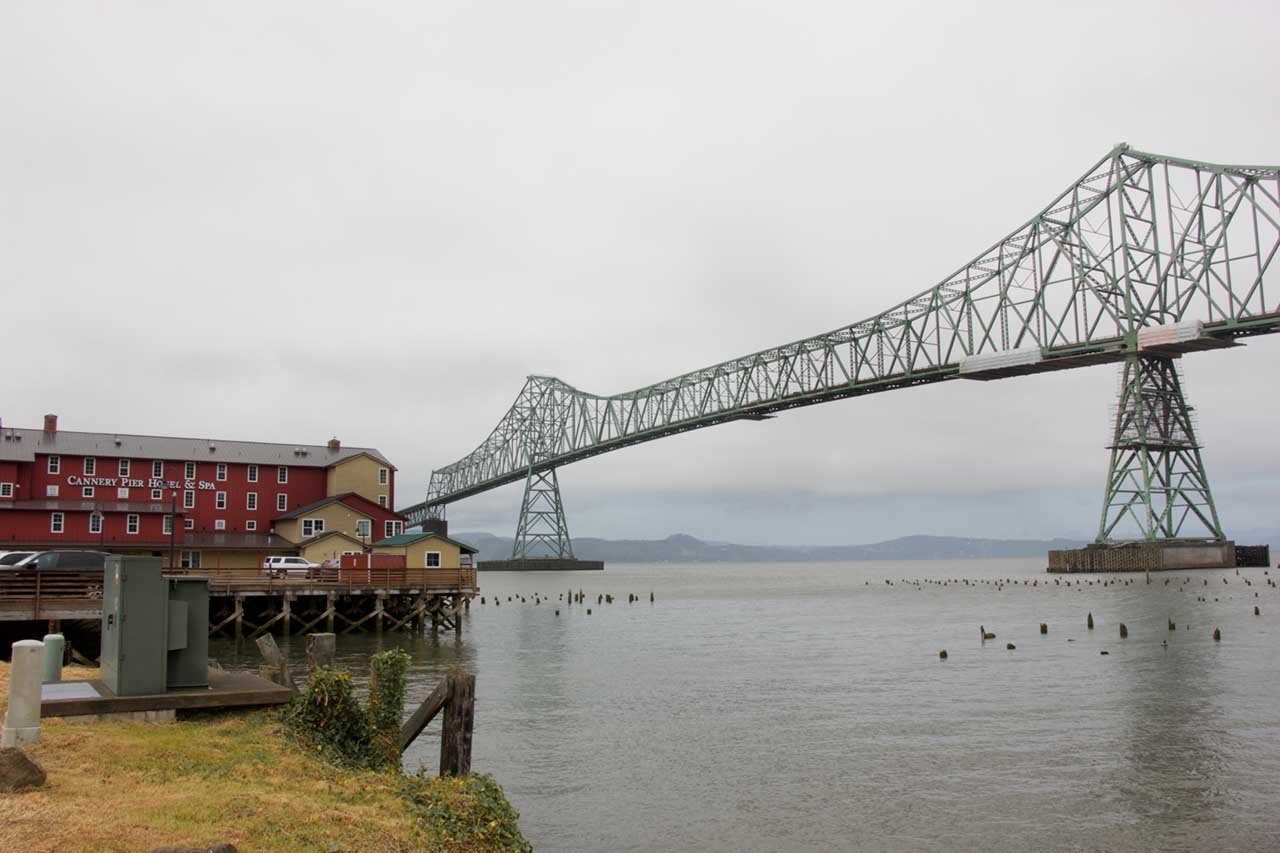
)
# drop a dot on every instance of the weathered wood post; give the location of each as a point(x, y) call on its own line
point(331, 604)
point(288, 612)
point(459, 720)
point(276, 668)
point(239, 618)
point(320, 650)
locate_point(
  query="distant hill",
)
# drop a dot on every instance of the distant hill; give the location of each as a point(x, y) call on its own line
point(682, 548)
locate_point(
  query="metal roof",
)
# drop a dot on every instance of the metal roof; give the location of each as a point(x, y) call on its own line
point(410, 538)
point(22, 445)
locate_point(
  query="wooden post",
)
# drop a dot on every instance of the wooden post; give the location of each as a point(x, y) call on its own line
point(320, 650)
point(459, 720)
point(288, 612)
point(239, 618)
point(457, 616)
point(328, 622)
point(276, 668)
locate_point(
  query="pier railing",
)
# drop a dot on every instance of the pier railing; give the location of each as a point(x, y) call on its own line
point(32, 594)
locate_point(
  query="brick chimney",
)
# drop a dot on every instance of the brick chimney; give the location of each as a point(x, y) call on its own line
point(50, 424)
point(334, 444)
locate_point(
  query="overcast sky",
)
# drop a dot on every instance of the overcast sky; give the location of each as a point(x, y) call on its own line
point(287, 221)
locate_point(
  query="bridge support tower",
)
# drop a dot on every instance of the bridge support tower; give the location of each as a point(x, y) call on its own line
point(542, 534)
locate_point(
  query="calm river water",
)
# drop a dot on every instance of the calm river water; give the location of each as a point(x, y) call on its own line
point(805, 707)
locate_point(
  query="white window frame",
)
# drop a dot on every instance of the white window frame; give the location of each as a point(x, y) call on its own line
point(189, 471)
point(132, 520)
point(384, 476)
point(392, 528)
point(282, 501)
point(251, 525)
point(123, 467)
point(95, 522)
point(219, 524)
point(220, 474)
point(382, 501)
point(157, 494)
point(314, 525)
point(167, 526)
point(50, 491)
point(219, 500)
point(188, 524)
point(122, 493)
point(252, 473)
point(6, 490)
point(251, 500)
point(55, 465)
point(189, 499)
point(86, 491)
point(364, 528)
point(157, 469)
point(57, 522)
point(90, 466)
point(282, 474)
point(189, 559)
point(426, 559)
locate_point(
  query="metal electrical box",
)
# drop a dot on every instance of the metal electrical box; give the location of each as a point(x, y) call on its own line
point(134, 625)
point(188, 632)
point(155, 630)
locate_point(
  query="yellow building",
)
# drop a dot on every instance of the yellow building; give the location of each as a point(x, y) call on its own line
point(428, 551)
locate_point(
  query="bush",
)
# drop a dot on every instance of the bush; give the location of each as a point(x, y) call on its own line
point(468, 812)
point(386, 704)
point(327, 715)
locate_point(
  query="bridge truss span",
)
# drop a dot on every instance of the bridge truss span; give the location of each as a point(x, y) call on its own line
point(1140, 242)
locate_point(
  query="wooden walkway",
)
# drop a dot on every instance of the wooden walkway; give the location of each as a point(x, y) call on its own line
point(245, 602)
point(225, 690)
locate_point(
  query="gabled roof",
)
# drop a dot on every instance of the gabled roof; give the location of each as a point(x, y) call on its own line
point(22, 445)
point(351, 500)
point(307, 543)
point(410, 538)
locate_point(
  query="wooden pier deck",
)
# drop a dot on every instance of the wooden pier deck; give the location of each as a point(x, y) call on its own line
point(246, 602)
point(225, 690)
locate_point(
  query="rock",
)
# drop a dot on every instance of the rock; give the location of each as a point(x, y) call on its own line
point(1010, 646)
point(18, 772)
point(1104, 652)
point(943, 654)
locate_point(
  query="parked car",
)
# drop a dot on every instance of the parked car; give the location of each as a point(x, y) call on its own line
point(13, 558)
point(43, 560)
point(288, 567)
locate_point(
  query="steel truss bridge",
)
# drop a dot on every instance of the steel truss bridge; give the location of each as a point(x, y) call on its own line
point(1143, 259)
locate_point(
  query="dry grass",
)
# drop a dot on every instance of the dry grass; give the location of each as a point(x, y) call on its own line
point(217, 778)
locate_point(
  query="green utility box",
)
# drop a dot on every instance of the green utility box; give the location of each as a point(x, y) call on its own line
point(155, 630)
point(188, 633)
point(134, 625)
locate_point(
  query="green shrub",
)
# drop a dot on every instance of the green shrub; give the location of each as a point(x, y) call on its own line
point(466, 812)
point(327, 715)
point(386, 704)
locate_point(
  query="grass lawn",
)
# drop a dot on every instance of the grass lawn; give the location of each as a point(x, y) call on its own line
point(233, 777)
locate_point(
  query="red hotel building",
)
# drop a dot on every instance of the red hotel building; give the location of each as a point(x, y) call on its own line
point(232, 502)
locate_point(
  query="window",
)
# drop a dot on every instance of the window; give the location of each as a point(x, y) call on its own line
point(282, 474)
point(433, 559)
point(251, 500)
point(282, 502)
point(124, 467)
point(95, 522)
point(189, 498)
point(6, 490)
point(188, 524)
point(251, 525)
point(312, 526)
point(157, 469)
point(383, 476)
point(222, 471)
point(122, 492)
point(392, 528)
point(220, 524)
point(55, 464)
point(50, 491)
point(189, 472)
point(131, 523)
point(382, 501)
point(55, 522)
point(157, 494)
point(189, 559)
point(167, 527)
point(364, 527)
point(220, 500)
point(86, 491)
point(90, 466)
point(253, 473)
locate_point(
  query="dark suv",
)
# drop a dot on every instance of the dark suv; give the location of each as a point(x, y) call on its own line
point(66, 560)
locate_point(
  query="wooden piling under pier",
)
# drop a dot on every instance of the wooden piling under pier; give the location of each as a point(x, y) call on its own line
point(245, 604)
